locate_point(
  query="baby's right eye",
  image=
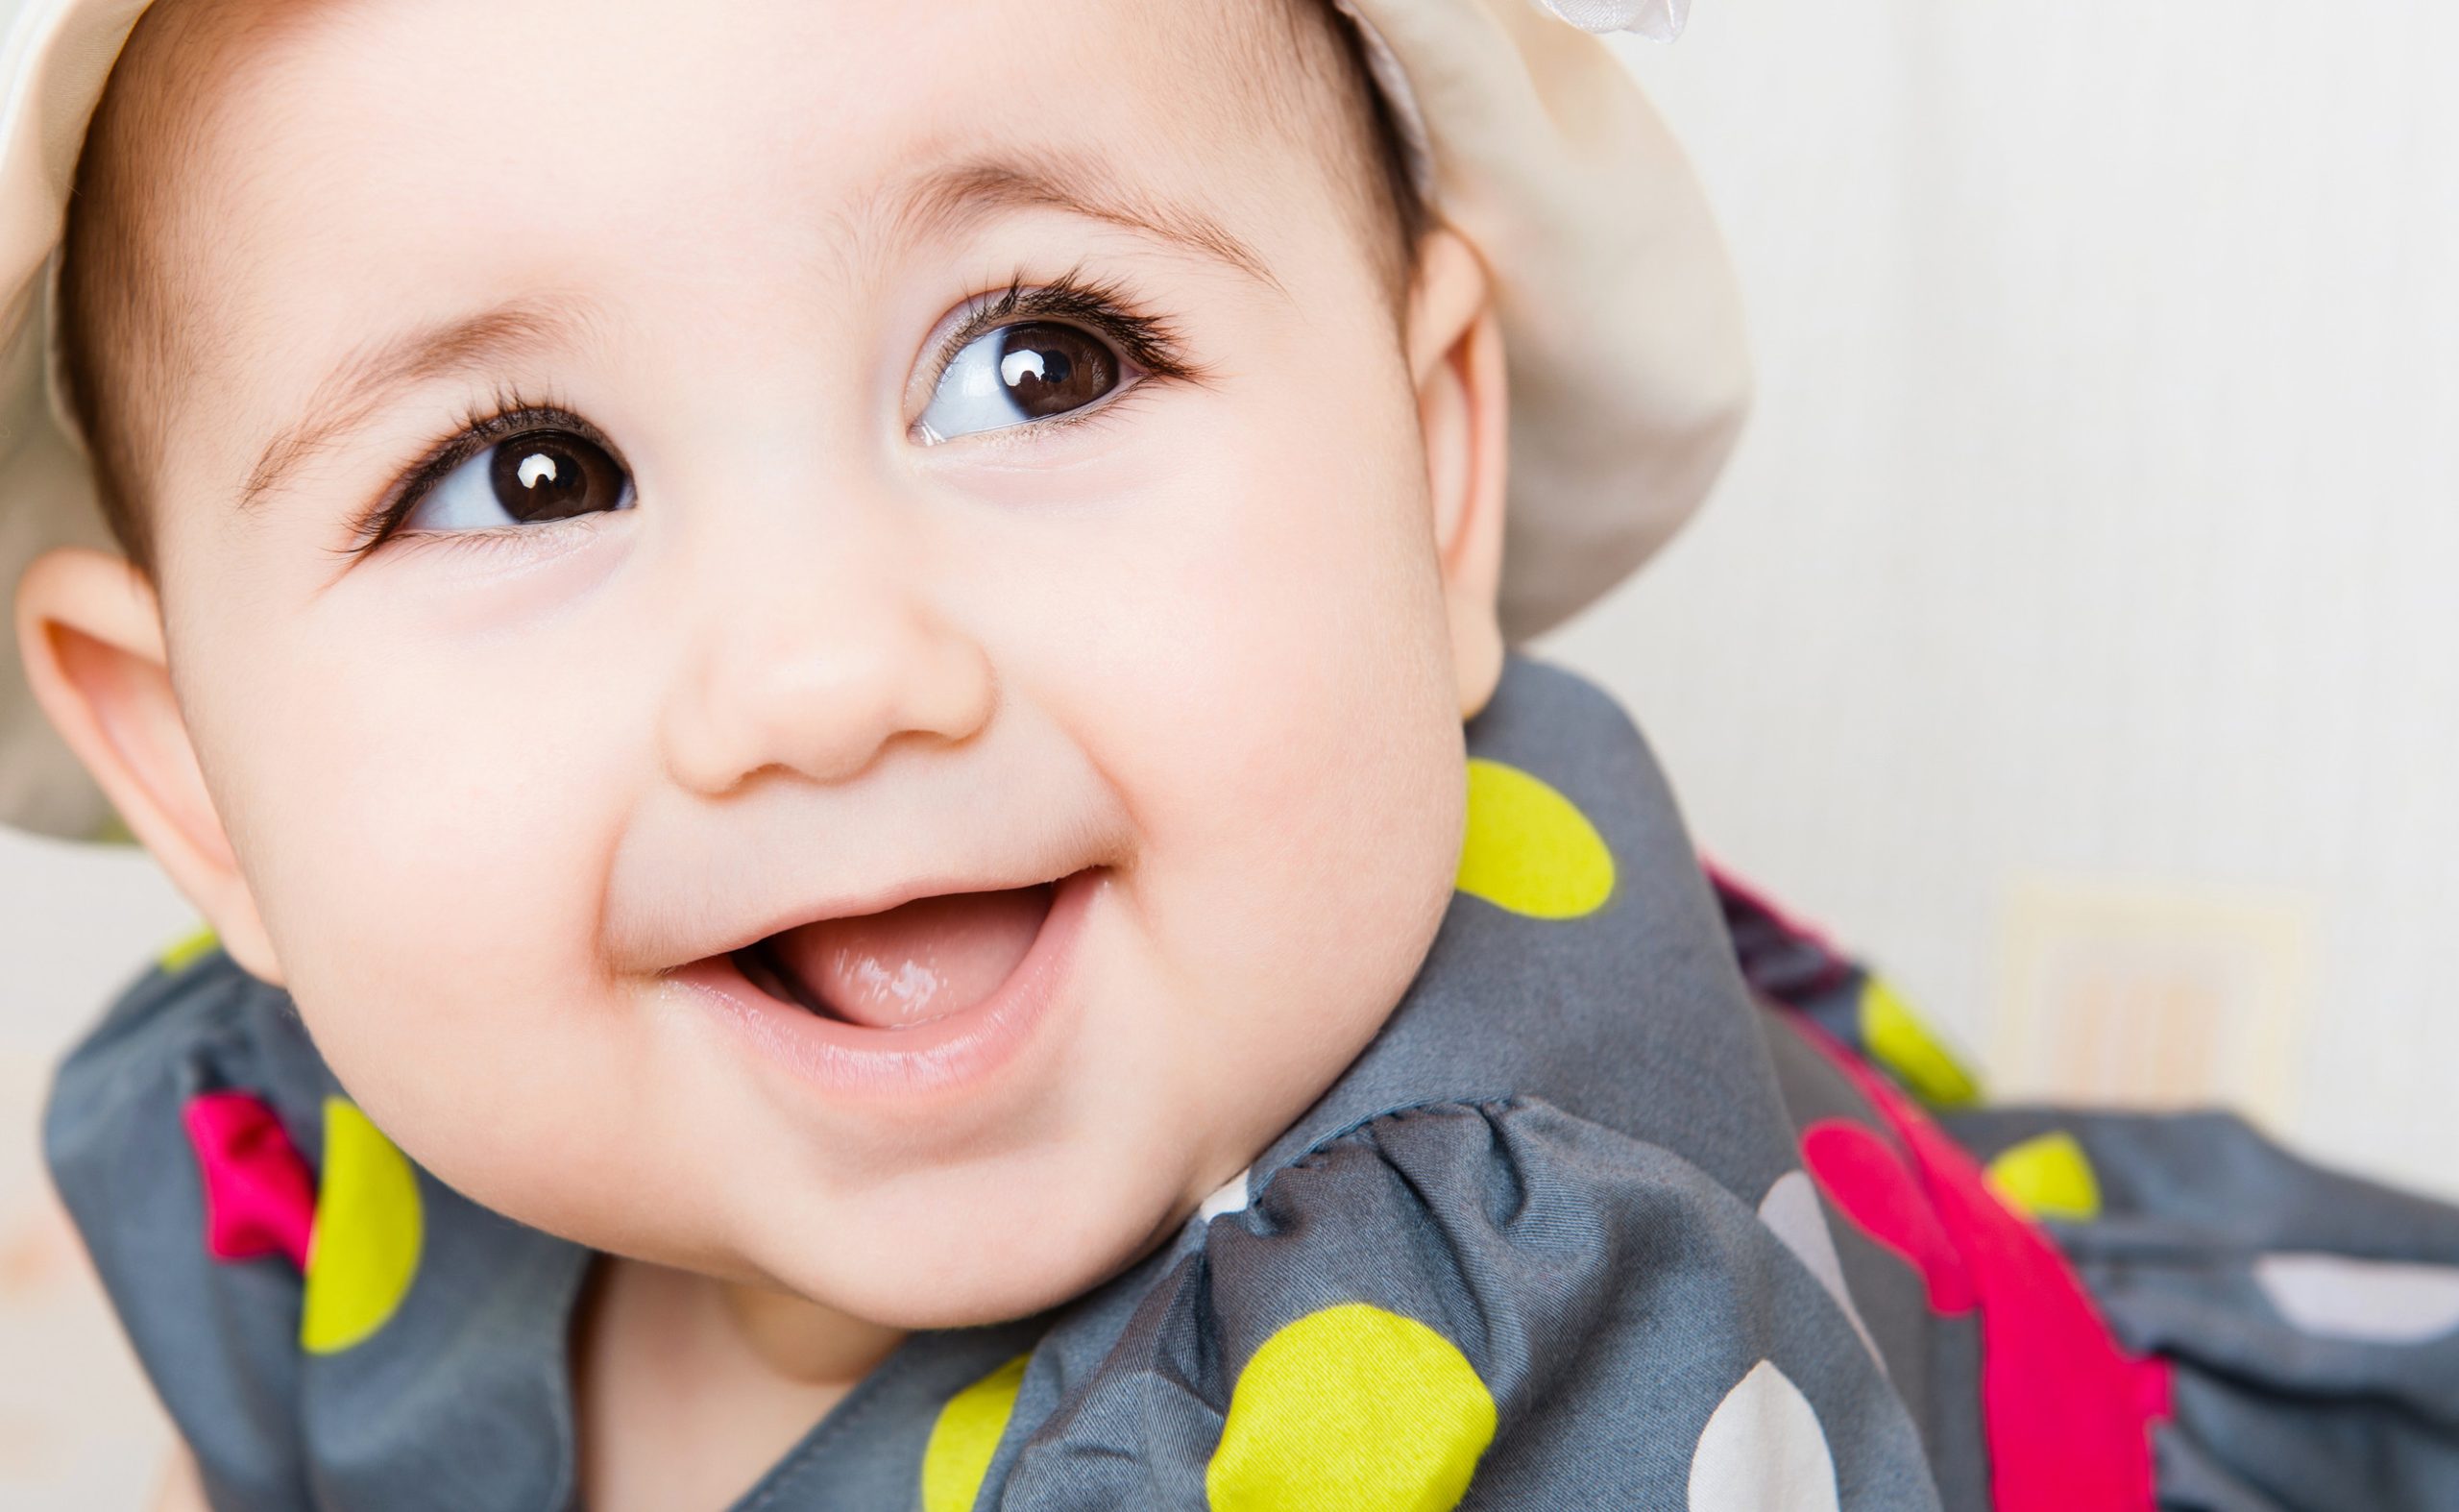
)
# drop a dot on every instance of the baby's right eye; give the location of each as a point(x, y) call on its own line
point(1016, 373)
point(529, 478)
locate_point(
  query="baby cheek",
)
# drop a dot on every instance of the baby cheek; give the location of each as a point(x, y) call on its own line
point(437, 885)
point(1301, 822)
point(422, 834)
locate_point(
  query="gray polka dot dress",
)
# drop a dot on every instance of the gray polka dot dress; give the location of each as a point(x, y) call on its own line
point(1644, 1197)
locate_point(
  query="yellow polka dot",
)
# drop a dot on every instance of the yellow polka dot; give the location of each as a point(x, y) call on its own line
point(1528, 848)
point(1354, 1409)
point(966, 1436)
point(1901, 1043)
point(2049, 1177)
point(364, 1250)
point(181, 952)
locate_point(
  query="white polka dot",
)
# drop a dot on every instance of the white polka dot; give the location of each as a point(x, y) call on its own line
point(1229, 1198)
point(1790, 1209)
point(2372, 1302)
point(1763, 1451)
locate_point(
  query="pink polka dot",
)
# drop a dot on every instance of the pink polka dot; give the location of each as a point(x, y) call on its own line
point(1862, 1174)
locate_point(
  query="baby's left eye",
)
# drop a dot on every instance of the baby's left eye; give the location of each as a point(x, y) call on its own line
point(536, 476)
point(1033, 369)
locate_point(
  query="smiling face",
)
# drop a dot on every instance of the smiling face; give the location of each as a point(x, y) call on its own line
point(638, 499)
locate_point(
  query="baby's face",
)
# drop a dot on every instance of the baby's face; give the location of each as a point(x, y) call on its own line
point(783, 583)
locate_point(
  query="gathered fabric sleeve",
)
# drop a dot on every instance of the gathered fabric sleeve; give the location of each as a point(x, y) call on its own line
point(217, 1338)
point(1491, 1304)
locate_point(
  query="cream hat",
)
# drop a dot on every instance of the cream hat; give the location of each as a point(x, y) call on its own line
point(1628, 370)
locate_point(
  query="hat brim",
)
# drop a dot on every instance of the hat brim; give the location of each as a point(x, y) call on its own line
point(1627, 366)
point(53, 66)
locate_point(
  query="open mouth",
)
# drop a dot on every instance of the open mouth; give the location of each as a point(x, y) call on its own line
point(904, 966)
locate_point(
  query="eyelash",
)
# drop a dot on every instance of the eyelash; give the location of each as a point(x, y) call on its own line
point(509, 413)
point(1149, 341)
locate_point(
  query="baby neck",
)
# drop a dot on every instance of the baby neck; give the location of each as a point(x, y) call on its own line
point(804, 1341)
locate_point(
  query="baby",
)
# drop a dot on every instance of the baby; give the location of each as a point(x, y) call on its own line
point(814, 664)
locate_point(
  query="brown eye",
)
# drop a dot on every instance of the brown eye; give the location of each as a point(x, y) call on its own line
point(1049, 369)
point(1014, 374)
point(530, 479)
point(553, 475)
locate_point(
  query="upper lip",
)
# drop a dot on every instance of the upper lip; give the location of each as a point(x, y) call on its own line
point(876, 901)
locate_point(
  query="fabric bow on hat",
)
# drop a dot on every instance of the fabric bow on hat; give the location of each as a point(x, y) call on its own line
point(1657, 20)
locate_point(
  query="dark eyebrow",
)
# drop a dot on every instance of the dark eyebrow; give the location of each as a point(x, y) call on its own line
point(360, 385)
point(942, 201)
point(947, 199)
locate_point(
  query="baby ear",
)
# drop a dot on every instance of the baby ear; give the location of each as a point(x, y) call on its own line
point(1455, 352)
point(91, 631)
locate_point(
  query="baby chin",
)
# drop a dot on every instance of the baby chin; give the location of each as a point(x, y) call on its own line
point(997, 1242)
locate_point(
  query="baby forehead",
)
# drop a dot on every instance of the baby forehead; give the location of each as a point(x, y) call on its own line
point(366, 133)
point(740, 95)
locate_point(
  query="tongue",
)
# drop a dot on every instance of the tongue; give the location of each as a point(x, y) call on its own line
point(919, 961)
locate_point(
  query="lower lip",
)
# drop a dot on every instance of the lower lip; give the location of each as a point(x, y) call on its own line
point(956, 1051)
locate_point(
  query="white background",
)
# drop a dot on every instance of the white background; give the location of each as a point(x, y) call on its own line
point(2099, 524)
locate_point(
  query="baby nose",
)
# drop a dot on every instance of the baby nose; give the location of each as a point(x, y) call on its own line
point(815, 674)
